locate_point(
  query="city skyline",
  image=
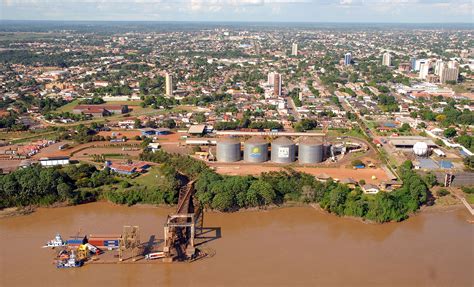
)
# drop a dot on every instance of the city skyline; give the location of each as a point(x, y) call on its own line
point(343, 11)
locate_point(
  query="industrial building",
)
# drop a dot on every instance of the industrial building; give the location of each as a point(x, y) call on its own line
point(283, 150)
point(256, 150)
point(310, 150)
point(54, 161)
point(409, 142)
point(228, 150)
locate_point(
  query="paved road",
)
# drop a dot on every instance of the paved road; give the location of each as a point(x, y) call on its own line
point(294, 111)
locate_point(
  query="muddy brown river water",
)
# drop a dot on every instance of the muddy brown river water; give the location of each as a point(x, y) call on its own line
point(282, 247)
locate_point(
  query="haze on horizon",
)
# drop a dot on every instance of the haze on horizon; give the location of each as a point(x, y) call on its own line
point(363, 11)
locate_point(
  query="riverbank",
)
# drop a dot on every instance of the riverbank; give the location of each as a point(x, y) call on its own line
point(16, 211)
point(437, 207)
point(297, 246)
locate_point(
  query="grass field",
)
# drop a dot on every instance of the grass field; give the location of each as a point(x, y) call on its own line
point(128, 103)
point(149, 179)
point(68, 107)
point(25, 136)
point(351, 133)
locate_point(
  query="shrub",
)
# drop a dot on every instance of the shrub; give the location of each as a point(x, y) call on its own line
point(468, 190)
point(442, 192)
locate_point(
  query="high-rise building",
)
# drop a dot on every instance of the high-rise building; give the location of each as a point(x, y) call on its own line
point(413, 63)
point(387, 59)
point(169, 85)
point(347, 59)
point(449, 72)
point(438, 67)
point(294, 49)
point(419, 62)
point(274, 79)
point(424, 70)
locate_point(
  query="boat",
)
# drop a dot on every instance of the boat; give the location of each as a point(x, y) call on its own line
point(56, 242)
point(155, 255)
point(71, 262)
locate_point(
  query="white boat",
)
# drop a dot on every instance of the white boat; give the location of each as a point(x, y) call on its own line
point(155, 255)
point(56, 242)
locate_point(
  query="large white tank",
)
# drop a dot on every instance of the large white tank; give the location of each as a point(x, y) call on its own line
point(420, 149)
point(283, 150)
point(228, 150)
point(256, 150)
point(310, 150)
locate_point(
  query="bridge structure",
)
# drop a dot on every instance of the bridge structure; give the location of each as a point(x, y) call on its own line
point(180, 227)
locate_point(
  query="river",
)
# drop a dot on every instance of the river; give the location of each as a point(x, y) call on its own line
point(298, 246)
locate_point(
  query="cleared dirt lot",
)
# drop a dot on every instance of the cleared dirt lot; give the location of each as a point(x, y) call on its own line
point(9, 165)
point(336, 173)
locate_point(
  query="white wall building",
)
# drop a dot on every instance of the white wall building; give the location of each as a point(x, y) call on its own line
point(294, 49)
point(424, 70)
point(387, 59)
point(54, 161)
point(169, 85)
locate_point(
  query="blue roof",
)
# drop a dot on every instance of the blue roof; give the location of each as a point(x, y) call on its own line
point(445, 164)
point(389, 125)
point(463, 153)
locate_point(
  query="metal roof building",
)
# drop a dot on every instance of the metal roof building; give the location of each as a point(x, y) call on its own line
point(446, 164)
point(197, 129)
point(409, 142)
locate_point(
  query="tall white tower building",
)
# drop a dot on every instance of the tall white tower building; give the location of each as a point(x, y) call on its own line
point(387, 59)
point(294, 49)
point(169, 85)
point(424, 70)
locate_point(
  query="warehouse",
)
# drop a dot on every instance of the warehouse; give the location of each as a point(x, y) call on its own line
point(54, 161)
point(409, 141)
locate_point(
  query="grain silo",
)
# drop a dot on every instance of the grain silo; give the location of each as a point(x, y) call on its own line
point(228, 150)
point(283, 150)
point(256, 150)
point(310, 150)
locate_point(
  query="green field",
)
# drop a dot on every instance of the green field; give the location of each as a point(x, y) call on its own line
point(25, 136)
point(149, 179)
point(128, 103)
point(351, 133)
point(68, 107)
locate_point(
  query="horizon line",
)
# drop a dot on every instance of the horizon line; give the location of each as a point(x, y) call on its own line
point(230, 21)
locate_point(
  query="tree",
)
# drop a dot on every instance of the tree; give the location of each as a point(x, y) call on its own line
point(137, 124)
point(430, 179)
point(405, 127)
point(200, 117)
point(357, 162)
point(169, 123)
point(449, 132)
point(64, 191)
point(442, 192)
point(469, 162)
point(264, 191)
point(421, 125)
point(305, 125)
point(337, 198)
point(223, 201)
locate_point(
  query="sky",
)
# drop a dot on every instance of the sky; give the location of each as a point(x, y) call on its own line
point(387, 11)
